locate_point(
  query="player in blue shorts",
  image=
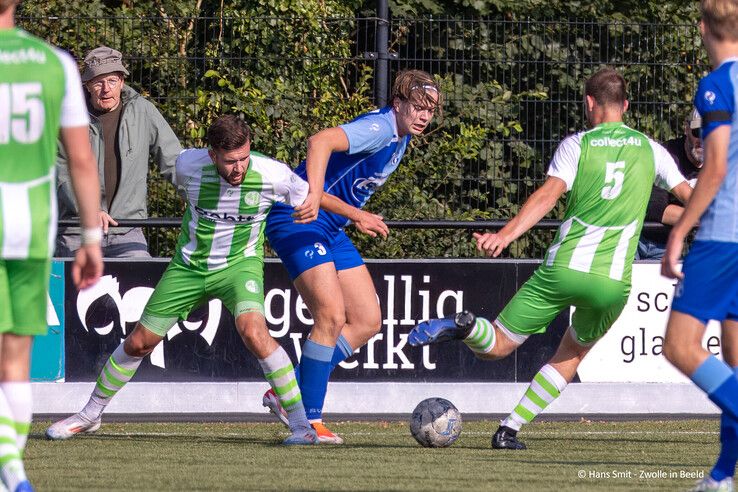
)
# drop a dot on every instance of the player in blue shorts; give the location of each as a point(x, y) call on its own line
point(708, 286)
point(349, 162)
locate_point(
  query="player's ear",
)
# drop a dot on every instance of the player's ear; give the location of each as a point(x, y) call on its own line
point(211, 153)
point(626, 105)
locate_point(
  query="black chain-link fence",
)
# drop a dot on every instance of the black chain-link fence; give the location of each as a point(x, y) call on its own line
point(513, 91)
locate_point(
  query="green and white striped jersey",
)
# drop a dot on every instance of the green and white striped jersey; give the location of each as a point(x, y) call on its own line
point(40, 92)
point(224, 223)
point(609, 172)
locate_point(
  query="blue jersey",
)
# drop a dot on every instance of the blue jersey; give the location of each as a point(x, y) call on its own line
point(716, 100)
point(374, 152)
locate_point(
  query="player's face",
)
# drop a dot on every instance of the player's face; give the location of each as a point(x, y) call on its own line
point(105, 91)
point(232, 164)
point(414, 115)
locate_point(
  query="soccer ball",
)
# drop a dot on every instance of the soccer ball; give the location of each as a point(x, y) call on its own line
point(435, 423)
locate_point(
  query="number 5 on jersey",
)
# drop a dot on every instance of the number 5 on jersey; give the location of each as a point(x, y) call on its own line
point(21, 112)
point(614, 176)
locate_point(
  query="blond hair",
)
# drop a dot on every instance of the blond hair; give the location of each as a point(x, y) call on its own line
point(419, 87)
point(721, 18)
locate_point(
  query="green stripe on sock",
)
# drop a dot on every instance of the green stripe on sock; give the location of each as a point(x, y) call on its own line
point(283, 390)
point(532, 396)
point(4, 460)
point(287, 405)
point(112, 379)
point(550, 388)
point(126, 372)
point(524, 412)
point(279, 372)
point(7, 422)
point(22, 427)
point(100, 386)
point(481, 335)
point(8, 440)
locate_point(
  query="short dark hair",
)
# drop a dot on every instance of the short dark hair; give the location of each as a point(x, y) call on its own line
point(228, 132)
point(607, 87)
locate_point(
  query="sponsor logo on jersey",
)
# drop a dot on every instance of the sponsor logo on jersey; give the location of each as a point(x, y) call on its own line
point(374, 127)
point(710, 97)
point(615, 142)
point(23, 55)
point(252, 286)
point(223, 216)
point(367, 186)
point(251, 198)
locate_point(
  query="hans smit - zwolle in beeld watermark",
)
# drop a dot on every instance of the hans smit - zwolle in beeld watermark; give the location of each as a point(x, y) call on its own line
point(638, 474)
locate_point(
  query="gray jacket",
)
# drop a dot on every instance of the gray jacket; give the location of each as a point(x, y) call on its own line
point(143, 132)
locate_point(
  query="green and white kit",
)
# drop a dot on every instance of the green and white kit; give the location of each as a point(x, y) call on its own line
point(609, 172)
point(220, 251)
point(40, 92)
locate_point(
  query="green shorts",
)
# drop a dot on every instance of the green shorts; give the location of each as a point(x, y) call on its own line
point(240, 287)
point(24, 288)
point(598, 302)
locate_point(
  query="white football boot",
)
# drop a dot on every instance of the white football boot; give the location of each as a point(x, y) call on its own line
point(70, 426)
point(271, 401)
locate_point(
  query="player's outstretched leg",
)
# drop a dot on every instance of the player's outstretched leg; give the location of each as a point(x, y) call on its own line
point(477, 333)
point(455, 327)
point(118, 370)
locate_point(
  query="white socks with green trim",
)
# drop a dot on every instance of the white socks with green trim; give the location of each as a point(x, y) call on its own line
point(546, 386)
point(118, 370)
point(15, 421)
point(481, 339)
point(280, 373)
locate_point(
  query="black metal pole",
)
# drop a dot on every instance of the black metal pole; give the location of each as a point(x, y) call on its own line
point(381, 71)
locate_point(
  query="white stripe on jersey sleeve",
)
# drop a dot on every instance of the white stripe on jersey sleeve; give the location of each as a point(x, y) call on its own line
point(288, 187)
point(74, 108)
point(565, 161)
point(667, 172)
point(189, 163)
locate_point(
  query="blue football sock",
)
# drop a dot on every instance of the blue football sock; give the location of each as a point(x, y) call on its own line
point(725, 465)
point(315, 369)
point(342, 352)
point(720, 383)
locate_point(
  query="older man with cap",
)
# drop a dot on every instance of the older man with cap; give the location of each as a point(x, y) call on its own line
point(125, 131)
point(662, 206)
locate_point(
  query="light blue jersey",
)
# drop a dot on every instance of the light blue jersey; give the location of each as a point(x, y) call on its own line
point(375, 150)
point(717, 100)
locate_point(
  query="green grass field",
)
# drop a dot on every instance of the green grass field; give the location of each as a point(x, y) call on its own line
point(651, 455)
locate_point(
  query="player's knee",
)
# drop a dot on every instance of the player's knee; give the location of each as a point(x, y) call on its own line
point(330, 321)
point(672, 351)
point(137, 346)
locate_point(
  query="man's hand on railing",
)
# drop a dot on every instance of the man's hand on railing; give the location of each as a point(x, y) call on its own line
point(106, 221)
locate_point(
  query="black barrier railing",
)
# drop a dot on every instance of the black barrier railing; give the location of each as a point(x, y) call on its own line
point(172, 222)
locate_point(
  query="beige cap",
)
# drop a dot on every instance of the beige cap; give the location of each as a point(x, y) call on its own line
point(102, 60)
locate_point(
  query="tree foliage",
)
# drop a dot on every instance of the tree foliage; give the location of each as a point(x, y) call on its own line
point(512, 72)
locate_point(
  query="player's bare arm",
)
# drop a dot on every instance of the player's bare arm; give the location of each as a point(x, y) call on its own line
point(366, 222)
point(540, 203)
point(711, 177)
point(320, 147)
